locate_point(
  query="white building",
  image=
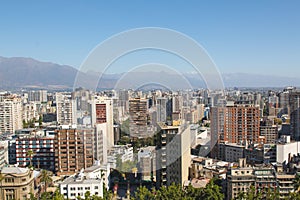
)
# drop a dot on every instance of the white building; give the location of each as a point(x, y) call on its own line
point(75, 186)
point(98, 171)
point(65, 109)
point(10, 114)
point(101, 141)
point(286, 149)
point(37, 96)
point(102, 113)
point(124, 151)
point(3, 153)
point(30, 111)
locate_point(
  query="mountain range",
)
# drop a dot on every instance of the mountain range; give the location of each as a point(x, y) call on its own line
point(19, 72)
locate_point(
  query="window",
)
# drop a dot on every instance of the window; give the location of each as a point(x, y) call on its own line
point(96, 187)
point(9, 180)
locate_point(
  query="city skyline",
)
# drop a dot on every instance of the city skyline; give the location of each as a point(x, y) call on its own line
point(252, 37)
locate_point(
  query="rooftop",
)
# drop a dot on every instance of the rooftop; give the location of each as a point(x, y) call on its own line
point(14, 170)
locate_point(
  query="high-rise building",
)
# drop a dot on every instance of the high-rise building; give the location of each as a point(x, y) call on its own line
point(234, 124)
point(161, 106)
point(138, 116)
point(10, 114)
point(101, 143)
point(42, 149)
point(177, 103)
point(294, 102)
point(37, 96)
point(65, 109)
point(102, 113)
point(73, 150)
point(173, 156)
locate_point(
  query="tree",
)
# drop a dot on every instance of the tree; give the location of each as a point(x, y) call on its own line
point(297, 182)
point(30, 154)
point(107, 194)
point(40, 120)
point(194, 193)
point(32, 197)
point(142, 193)
point(57, 195)
point(213, 191)
point(87, 195)
point(46, 179)
point(46, 196)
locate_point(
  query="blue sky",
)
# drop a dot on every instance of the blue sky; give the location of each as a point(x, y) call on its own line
point(260, 37)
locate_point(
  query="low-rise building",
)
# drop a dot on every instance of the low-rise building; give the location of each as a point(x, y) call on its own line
point(17, 183)
point(76, 186)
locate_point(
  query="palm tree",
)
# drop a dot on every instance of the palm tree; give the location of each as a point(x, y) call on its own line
point(1, 179)
point(46, 178)
point(30, 154)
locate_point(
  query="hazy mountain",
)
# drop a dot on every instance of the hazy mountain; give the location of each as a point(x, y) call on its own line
point(18, 72)
point(27, 72)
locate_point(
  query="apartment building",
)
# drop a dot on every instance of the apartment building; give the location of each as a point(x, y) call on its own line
point(173, 156)
point(234, 124)
point(10, 114)
point(43, 153)
point(73, 149)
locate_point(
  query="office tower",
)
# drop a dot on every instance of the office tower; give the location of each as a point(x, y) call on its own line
point(138, 109)
point(173, 156)
point(10, 114)
point(37, 96)
point(234, 124)
point(161, 106)
point(81, 98)
point(177, 103)
point(73, 150)
point(124, 99)
point(102, 113)
point(65, 109)
point(294, 102)
point(43, 156)
point(284, 102)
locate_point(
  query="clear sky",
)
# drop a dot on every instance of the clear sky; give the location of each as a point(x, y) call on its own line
point(261, 37)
